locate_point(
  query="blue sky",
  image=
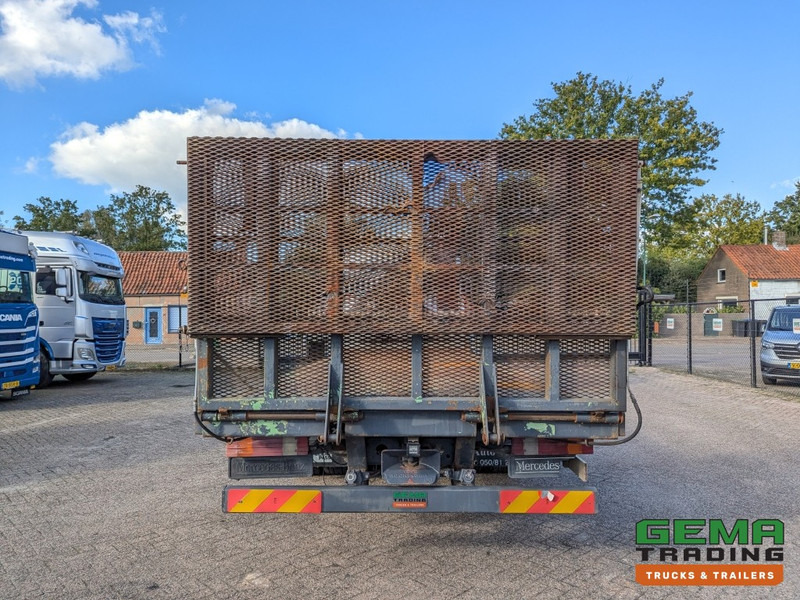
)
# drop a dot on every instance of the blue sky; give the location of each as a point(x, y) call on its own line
point(98, 96)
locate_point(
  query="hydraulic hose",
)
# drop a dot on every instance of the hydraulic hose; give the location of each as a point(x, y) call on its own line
point(635, 431)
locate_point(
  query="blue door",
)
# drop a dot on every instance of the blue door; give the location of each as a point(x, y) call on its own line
point(152, 325)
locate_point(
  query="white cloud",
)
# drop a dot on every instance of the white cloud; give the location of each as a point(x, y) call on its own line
point(786, 184)
point(144, 149)
point(31, 165)
point(42, 38)
point(139, 29)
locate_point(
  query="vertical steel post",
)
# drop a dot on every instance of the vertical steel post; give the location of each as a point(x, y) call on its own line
point(650, 334)
point(642, 335)
point(336, 384)
point(753, 366)
point(416, 367)
point(270, 369)
point(552, 371)
point(688, 338)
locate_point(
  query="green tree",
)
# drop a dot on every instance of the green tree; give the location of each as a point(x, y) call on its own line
point(54, 215)
point(785, 216)
point(673, 273)
point(674, 145)
point(727, 220)
point(714, 222)
point(144, 219)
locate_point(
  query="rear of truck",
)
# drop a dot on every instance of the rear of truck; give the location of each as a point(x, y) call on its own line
point(391, 320)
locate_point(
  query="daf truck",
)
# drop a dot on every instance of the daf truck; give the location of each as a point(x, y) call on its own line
point(411, 325)
point(19, 317)
point(78, 290)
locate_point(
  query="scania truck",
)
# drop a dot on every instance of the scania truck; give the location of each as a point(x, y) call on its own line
point(388, 323)
point(19, 318)
point(78, 291)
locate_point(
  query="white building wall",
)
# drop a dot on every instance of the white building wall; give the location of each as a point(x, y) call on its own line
point(772, 290)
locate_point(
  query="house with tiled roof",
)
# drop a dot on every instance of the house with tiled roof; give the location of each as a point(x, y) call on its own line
point(738, 274)
point(155, 294)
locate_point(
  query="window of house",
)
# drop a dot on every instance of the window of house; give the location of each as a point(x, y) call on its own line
point(177, 317)
point(721, 275)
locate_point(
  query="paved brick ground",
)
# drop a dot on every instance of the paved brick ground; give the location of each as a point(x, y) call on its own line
point(105, 492)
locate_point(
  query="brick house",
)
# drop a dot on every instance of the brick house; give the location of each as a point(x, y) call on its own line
point(738, 274)
point(155, 293)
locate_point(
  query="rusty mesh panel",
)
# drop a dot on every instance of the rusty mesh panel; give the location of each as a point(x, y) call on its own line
point(303, 362)
point(519, 362)
point(451, 365)
point(237, 366)
point(362, 354)
point(370, 236)
point(586, 369)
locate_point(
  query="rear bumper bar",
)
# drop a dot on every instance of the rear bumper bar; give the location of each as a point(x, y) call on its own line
point(459, 499)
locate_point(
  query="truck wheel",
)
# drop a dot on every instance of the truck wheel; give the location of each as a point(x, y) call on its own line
point(768, 380)
point(79, 376)
point(45, 378)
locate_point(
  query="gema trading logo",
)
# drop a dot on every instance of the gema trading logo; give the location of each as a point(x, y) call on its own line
point(709, 552)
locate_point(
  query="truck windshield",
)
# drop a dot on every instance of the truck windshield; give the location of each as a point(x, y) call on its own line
point(99, 288)
point(15, 286)
point(785, 320)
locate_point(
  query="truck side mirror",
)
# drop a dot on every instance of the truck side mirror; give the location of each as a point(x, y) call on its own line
point(61, 292)
point(61, 280)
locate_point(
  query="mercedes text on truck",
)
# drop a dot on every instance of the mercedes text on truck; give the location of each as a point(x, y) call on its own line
point(82, 310)
point(19, 318)
point(394, 322)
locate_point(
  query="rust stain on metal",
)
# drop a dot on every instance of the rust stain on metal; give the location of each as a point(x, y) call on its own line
point(403, 237)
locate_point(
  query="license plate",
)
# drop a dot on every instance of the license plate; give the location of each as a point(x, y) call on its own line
point(10, 385)
point(111, 368)
point(794, 365)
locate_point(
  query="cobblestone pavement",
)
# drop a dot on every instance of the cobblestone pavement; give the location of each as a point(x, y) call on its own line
point(105, 492)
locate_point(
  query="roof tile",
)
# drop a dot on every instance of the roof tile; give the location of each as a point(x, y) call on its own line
point(765, 261)
point(153, 273)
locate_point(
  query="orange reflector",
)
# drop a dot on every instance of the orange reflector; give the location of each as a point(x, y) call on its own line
point(580, 502)
point(274, 501)
point(279, 446)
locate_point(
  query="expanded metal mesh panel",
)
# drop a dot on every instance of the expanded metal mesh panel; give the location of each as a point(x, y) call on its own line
point(366, 236)
point(362, 354)
point(382, 365)
point(237, 365)
point(451, 365)
point(519, 362)
point(586, 369)
point(303, 362)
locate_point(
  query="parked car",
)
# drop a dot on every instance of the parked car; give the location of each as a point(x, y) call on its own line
point(780, 345)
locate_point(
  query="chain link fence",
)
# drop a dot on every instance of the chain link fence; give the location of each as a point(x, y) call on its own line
point(721, 340)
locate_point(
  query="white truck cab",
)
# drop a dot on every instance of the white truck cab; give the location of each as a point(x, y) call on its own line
point(82, 310)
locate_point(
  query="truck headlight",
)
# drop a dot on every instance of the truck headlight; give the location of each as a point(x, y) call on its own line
point(86, 354)
point(767, 345)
